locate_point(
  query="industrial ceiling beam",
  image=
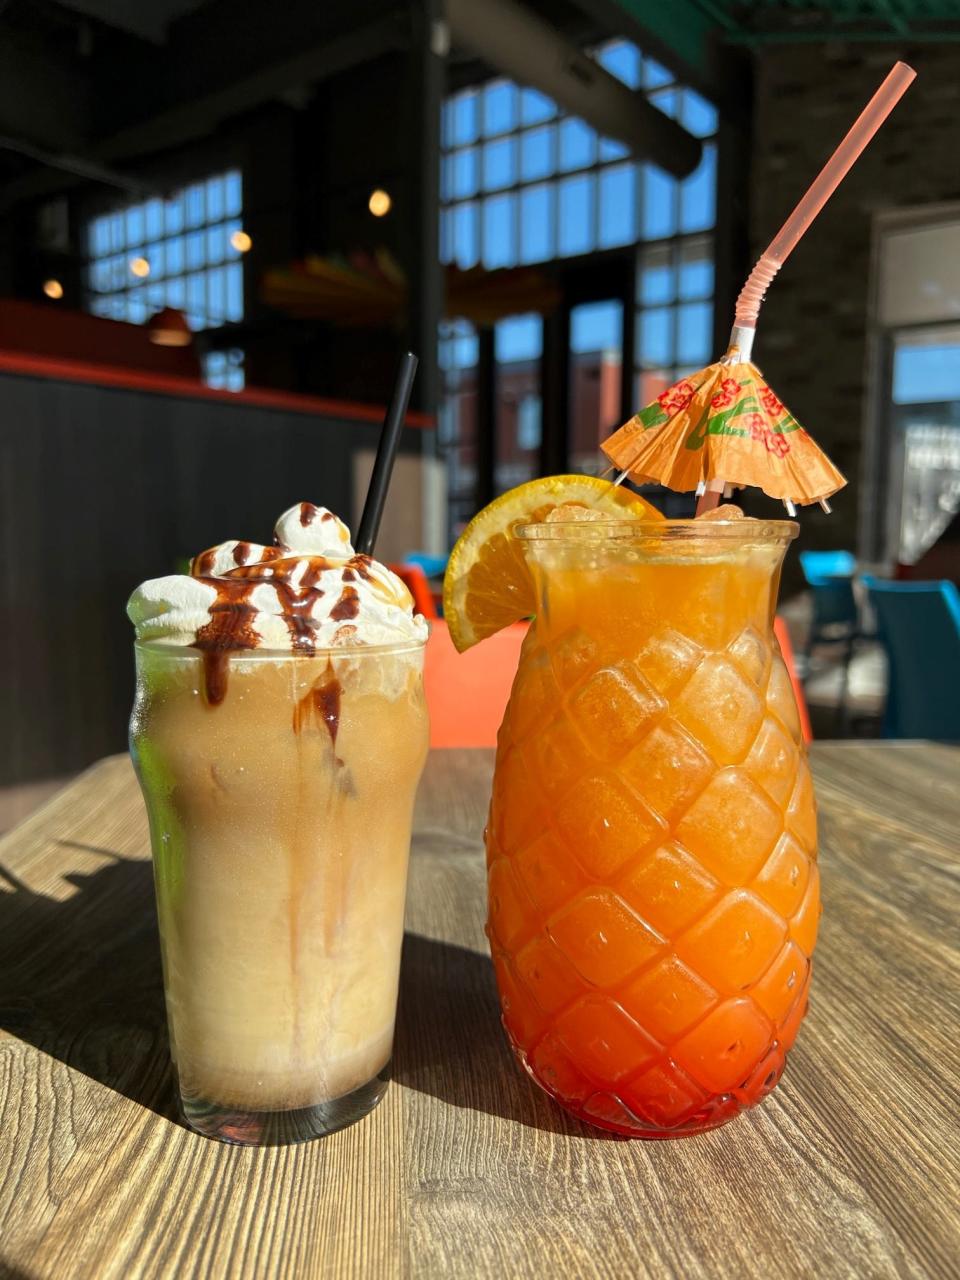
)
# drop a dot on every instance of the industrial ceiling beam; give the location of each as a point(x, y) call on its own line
point(515, 41)
point(198, 117)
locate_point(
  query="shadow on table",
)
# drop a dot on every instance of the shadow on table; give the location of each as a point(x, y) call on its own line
point(451, 1045)
point(10, 1272)
point(80, 979)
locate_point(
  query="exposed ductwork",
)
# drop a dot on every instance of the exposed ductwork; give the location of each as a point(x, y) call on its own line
point(515, 41)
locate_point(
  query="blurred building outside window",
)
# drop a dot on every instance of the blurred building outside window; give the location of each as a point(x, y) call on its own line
point(521, 184)
point(172, 251)
point(918, 402)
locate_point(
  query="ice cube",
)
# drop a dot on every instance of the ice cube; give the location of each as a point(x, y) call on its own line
point(573, 511)
point(727, 511)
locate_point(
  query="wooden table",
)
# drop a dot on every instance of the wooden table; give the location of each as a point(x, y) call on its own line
point(466, 1169)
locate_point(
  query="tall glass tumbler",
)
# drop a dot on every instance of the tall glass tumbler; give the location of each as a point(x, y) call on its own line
point(654, 892)
point(280, 821)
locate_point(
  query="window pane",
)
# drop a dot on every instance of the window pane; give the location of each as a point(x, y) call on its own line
point(176, 292)
point(529, 427)
point(578, 144)
point(216, 243)
point(518, 343)
point(100, 276)
point(119, 272)
point(153, 219)
point(217, 294)
point(466, 235)
point(618, 196)
point(654, 74)
point(215, 369)
point(156, 295)
point(536, 223)
point(535, 106)
point(175, 260)
point(667, 101)
point(228, 231)
point(461, 119)
point(622, 59)
point(499, 107)
point(659, 214)
point(236, 375)
point(696, 270)
point(596, 326)
point(99, 238)
point(466, 348)
point(446, 235)
point(173, 214)
point(499, 249)
point(462, 173)
point(135, 228)
point(656, 282)
point(196, 292)
point(655, 337)
point(234, 291)
point(233, 193)
point(155, 256)
point(136, 307)
point(518, 338)
point(697, 114)
point(698, 193)
point(575, 218)
point(194, 205)
point(926, 374)
point(610, 150)
point(694, 332)
point(536, 153)
point(215, 199)
point(195, 249)
point(499, 164)
point(118, 236)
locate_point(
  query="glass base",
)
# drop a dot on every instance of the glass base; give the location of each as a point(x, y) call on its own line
point(282, 1128)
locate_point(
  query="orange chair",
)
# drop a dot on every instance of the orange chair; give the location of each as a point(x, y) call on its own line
point(417, 583)
point(467, 692)
point(786, 648)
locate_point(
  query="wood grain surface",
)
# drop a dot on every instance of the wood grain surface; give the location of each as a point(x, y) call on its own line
point(466, 1169)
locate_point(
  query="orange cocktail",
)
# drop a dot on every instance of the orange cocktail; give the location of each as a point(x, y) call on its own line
point(654, 893)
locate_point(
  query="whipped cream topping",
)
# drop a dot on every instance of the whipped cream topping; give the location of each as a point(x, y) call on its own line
point(308, 591)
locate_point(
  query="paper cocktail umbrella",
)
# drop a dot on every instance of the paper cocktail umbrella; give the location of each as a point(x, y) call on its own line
point(723, 427)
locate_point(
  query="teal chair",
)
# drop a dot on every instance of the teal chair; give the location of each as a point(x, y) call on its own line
point(836, 617)
point(836, 614)
point(918, 624)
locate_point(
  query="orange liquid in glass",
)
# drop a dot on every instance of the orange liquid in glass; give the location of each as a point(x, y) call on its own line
point(654, 892)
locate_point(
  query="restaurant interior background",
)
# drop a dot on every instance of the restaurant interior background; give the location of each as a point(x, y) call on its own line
point(221, 222)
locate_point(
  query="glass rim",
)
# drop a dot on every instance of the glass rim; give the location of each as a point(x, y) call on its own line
point(185, 651)
point(726, 531)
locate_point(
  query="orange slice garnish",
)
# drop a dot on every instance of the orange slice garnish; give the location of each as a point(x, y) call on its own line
point(487, 584)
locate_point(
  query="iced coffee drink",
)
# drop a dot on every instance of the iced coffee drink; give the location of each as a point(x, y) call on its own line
point(279, 732)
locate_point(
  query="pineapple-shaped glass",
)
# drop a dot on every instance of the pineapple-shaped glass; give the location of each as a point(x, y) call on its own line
point(654, 891)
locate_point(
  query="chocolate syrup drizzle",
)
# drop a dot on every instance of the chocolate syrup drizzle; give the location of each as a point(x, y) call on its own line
point(323, 703)
point(232, 615)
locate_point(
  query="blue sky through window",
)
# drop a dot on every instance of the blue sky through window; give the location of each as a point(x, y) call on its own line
point(502, 137)
point(926, 374)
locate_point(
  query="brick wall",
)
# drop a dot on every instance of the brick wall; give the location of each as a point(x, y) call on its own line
point(811, 341)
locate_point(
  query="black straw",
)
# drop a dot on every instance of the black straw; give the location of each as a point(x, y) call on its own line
point(386, 455)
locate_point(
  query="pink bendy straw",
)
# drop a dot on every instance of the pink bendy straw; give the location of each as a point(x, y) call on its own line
point(820, 191)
